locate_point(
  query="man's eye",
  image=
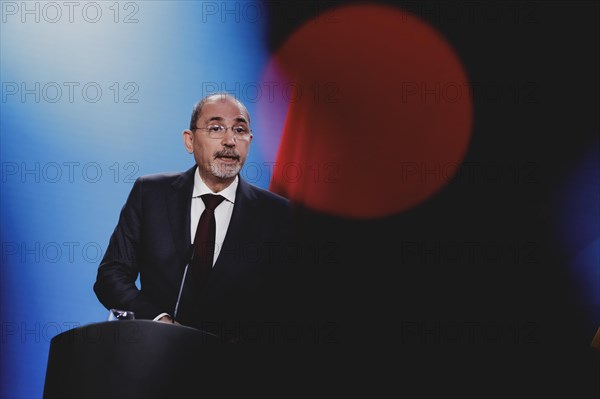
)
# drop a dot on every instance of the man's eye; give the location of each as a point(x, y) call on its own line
point(215, 128)
point(240, 129)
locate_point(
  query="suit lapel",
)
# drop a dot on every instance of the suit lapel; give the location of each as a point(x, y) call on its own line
point(236, 231)
point(179, 202)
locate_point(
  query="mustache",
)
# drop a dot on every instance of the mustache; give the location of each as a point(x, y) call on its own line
point(227, 153)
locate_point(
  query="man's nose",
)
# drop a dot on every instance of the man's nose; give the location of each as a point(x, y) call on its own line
point(229, 138)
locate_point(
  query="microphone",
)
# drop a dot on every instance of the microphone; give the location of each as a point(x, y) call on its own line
point(190, 256)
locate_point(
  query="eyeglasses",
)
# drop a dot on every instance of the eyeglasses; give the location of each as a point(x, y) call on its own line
point(218, 131)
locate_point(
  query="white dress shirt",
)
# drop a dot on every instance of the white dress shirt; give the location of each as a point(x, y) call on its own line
point(223, 214)
point(223, 211)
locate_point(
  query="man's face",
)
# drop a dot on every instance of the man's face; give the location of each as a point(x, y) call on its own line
point(219, 159)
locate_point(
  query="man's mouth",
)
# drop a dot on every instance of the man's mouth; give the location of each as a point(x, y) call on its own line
point(228, 157)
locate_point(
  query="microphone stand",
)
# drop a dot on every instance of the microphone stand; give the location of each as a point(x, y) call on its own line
point(191, 258)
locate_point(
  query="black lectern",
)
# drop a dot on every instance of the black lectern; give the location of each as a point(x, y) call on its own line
point(129, 359)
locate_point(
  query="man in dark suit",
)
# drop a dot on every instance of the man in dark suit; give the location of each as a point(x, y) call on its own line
point(157, 234)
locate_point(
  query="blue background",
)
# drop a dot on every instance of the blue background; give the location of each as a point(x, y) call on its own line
point(69, 159)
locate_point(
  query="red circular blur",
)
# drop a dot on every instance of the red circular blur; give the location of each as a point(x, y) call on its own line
point(379, 112)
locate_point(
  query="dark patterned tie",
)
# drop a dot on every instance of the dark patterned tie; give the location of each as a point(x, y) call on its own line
point(204, 241)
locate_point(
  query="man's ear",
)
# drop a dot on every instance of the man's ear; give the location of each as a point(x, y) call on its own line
point(188, 141)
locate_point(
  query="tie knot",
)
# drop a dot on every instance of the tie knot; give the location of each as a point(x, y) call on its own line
point(212, 201)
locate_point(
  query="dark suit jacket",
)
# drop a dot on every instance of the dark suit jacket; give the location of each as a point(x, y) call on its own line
point(152, 238)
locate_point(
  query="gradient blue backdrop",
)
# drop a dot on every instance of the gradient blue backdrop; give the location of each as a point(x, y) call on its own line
point(70, 153)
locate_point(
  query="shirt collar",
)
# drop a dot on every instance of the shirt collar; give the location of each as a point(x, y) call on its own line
point(200, 188)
